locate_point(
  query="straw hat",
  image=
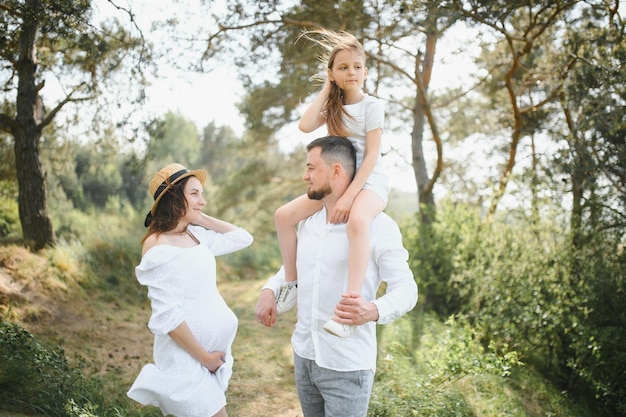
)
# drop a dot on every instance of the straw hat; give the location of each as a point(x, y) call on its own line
point(165, 178)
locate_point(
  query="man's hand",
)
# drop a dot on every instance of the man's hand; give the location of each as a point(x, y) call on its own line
point(356, 310)
point(266, 308)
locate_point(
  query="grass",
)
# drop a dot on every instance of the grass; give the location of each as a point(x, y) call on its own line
point(427, 367)
point(449, 374)
point(262, 382)
point(58, 297)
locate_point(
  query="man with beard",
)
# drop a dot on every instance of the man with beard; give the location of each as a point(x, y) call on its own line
point(334, 377)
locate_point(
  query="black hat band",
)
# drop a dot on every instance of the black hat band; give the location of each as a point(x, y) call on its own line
point(169, 181)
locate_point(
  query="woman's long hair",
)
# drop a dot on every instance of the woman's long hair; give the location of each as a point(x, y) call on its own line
point(171, 208)
point(332, 43)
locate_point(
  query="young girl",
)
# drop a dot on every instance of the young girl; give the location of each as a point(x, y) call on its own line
point(347, 111)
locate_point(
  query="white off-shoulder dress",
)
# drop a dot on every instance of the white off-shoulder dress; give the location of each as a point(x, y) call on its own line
point(182, 287)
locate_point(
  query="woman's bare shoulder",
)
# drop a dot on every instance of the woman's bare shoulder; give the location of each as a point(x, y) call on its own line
point(150, 242)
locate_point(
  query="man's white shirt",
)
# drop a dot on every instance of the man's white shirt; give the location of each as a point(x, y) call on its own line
point(322, 266)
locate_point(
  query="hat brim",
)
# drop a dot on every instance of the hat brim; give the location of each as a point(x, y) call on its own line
point(198, 173)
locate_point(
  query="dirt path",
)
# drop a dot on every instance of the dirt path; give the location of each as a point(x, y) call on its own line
point(116, 343)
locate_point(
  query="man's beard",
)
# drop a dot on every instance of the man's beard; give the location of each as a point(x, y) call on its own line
point(319, 194)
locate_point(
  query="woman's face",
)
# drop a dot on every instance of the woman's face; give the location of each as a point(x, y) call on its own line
point(195, 201)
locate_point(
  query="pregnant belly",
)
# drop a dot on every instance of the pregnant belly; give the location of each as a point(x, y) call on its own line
point(214, 328)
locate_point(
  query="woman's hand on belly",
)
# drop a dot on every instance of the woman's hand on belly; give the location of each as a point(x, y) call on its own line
point(215, 359)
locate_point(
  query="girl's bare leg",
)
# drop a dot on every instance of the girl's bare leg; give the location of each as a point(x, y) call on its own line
point(286, 218)
point(366, 206)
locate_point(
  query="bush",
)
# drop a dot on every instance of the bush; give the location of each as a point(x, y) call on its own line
point(524, 286)
point(595, 344)
point(111, 270)
point(451, 374)
point(9, 217)
point(37, 379)
point(426, 381)
point(437, 250)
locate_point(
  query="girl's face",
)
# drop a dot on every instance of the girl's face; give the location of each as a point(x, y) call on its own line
point(195, 201)
point(348, 70)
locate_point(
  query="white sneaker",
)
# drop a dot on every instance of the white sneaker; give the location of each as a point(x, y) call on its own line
point(287, 297)
point(338, 329)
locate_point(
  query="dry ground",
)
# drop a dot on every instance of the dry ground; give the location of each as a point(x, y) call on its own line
point(116, 343)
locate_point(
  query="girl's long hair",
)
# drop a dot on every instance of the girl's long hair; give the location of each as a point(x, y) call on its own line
point(332, 43)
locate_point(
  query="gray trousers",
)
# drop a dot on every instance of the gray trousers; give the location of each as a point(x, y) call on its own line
point(327, 393)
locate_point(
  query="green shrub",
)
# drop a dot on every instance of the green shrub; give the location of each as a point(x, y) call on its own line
point(451, 374)
point(437, 250)
point(9, 217)
point(424, 381)
point(524, 286)
point(260, 260)
point(111, 270)
point(37, 379)
point(594, 348)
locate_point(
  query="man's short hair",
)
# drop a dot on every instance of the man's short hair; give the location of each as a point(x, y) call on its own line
point(336, 149)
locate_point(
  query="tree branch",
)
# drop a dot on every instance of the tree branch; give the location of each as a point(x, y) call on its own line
point(509, 81)
point(283, 20)
point(52, 113)
point(7, 123)
point(131, 16)
point(393, 66)
point(8, 9)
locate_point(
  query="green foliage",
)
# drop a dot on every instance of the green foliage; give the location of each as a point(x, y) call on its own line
point(74, 410)
point(89, 175)
point(435, 253)
point(117, 219)
point(221, 152)
point(173, 139)
point(111, 270)
point(106, 244)
point(596, 50)
point(529, 289)
point(525, 287)
point(431, 379)
point(450, 374)
point(595, 344)
point(9, 217)
point(405, 387)
point(39, 379)
point(7, 154)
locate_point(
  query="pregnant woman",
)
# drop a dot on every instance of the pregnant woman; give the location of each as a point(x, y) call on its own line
point(193, 326)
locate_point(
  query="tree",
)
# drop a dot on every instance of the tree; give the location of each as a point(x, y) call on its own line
point(400, 38)
point(560, 79)
point(173, 139)
point(49, 39)
point(592, 104)
point(524, 85)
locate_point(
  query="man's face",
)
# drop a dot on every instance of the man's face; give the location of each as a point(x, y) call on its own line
point(317, 175)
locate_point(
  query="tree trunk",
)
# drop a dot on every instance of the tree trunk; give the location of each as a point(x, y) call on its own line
point(419, 163)
point(423, 71)
point(32, 200)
